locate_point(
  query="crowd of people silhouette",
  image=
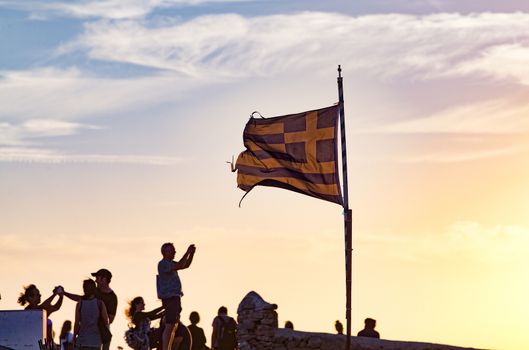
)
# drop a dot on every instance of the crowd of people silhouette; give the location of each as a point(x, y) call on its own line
point(96, 309)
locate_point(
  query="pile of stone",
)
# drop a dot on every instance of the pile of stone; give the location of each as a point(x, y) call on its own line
point(257, 321)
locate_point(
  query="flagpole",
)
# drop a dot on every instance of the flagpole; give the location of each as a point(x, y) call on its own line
point(347, 214)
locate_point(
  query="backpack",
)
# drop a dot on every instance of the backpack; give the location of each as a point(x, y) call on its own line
point(134, 339)
point(228, 334)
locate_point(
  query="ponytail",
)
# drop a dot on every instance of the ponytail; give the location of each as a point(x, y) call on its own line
point(23, 298)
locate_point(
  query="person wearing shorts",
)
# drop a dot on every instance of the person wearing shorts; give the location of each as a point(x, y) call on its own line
point(169, 289)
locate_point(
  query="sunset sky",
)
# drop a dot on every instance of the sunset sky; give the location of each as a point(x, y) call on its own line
point(117, 118)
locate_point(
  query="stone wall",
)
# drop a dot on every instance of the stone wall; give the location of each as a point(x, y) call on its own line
point(258, 330)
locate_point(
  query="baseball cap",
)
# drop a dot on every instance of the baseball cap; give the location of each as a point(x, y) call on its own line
point(103, 273)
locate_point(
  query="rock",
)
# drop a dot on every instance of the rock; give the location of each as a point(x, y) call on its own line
point(253, 301)
point(246, 325)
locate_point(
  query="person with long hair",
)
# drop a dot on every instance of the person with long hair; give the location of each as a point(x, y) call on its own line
point(103, 293)
point(66, 336)
point(87, 314)
point(31, 296)
point(142, 321)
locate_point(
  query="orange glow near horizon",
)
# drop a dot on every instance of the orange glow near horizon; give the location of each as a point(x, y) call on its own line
point(115, 131)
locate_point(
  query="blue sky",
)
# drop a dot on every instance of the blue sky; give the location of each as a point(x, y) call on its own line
point(192, 45)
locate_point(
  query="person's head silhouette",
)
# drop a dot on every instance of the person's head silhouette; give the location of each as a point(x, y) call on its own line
point(370, 323)
point(194, 317)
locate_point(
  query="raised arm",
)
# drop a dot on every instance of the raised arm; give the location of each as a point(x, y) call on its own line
point(186, 260)
point(48, 306)
point(56, 306)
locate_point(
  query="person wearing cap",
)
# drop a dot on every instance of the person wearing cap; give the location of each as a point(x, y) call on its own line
point(106, 295)
point(103, 293)
point(169, 289)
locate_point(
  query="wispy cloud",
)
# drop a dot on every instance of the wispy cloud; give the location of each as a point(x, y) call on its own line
point(208, 49)
point(508, 242)
point(18, 134)
point(468, 240)
point(446, 156)
point(113, 9)
point(70, 94)
point(498, 116)
point(470, 132)
point(38, 106)
point(48, 156)
point(433, 46)
point(507, 61)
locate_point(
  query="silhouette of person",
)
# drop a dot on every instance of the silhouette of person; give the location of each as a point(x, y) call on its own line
point(103, 293)
point(169, 289)
point(197, 333)
point(88, 312)
point(338, 326)
point(224, 335)
point(369, 329)
point(106, 295)
point(142, 320)
point(31, 296)
point(289, 325)
point(66, 336)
